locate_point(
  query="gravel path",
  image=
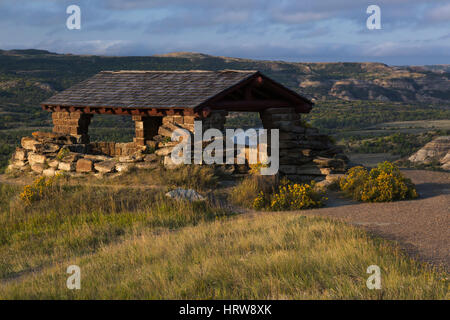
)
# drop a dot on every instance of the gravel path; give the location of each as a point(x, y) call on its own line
point(421, 227)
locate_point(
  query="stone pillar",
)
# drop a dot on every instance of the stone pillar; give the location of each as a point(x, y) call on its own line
point(146, 128)
point(73, 123)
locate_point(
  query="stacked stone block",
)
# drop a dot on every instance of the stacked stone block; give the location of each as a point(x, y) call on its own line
point(72, 123)
point(146, 128)
point(47, 154)
point(305, 154)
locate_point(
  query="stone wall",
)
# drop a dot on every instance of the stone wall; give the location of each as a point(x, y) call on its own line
point(47, 153)
point(305, 154)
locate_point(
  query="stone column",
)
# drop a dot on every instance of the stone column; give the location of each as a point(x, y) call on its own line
point(146, 128)
point(73, 123)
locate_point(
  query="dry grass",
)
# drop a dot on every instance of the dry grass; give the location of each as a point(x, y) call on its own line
point(283, 256)
point(133, 243)
point(186, 176)
point(77, 220)
point(248, 189)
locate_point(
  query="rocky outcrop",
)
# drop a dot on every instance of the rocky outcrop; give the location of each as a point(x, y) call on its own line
point(436, 151)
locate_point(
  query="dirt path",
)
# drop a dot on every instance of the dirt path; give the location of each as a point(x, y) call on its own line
point(421, 227)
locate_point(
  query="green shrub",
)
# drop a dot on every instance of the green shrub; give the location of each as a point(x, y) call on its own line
point(381, 184)
point(290, 196)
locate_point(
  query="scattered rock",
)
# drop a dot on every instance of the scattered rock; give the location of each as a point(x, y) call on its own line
point(84, 166)
point(185, 194)
point(123, 167)
point(106, 166)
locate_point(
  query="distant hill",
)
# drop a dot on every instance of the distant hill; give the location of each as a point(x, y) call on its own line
point(348, 96)
point(320, 81)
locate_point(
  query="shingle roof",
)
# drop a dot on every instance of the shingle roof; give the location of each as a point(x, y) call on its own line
point(149, 89)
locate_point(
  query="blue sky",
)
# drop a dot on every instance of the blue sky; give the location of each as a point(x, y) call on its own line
point(413, 31)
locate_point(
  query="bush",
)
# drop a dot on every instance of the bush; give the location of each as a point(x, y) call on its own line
point(296, 197)
point(272, 193)
point(41, 187)
point(381, 184)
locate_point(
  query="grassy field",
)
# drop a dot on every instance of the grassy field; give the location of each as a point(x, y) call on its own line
point(133, 243)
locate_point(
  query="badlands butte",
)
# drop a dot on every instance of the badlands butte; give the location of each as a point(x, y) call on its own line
point(347, 81)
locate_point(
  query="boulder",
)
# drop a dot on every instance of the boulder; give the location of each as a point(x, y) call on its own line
point(20, 154)
point(106, 166)
point(66, 166)
point(85, 166)
point(49, 172)
point(185, 194)
point(123, 167)
point(38, 167)
point(19, 163)
point(29, 143)
point(53, 163)
point(36, 158)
